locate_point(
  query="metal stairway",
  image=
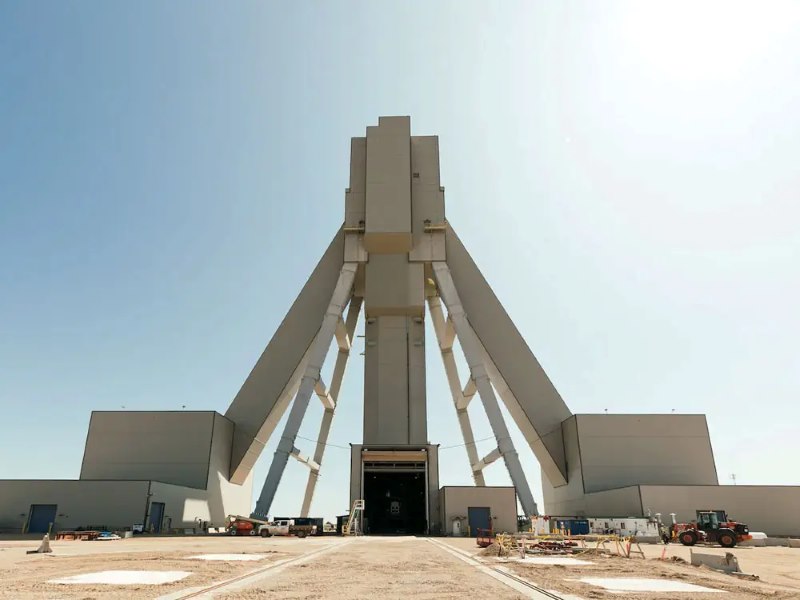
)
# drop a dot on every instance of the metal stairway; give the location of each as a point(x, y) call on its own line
point(354, 523)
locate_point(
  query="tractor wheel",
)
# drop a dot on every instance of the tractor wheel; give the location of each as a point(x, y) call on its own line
point(726, 538)
point(688, 538)
point(252, 532)
point(232, 531)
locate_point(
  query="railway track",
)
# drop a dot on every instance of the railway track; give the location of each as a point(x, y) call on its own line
point(518, 584)
point(254, 577)
point(250, 578)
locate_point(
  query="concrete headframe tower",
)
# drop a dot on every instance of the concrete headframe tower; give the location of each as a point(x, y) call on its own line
point(395, 253)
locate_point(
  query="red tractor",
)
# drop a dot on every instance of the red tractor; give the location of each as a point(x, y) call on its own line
point(711, 527)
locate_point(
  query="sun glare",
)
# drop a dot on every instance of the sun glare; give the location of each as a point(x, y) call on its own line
point(694, 41)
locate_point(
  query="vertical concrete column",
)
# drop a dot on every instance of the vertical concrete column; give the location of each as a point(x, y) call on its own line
point(388, 187)
point(434, 520)
point(386, 415)
point(355, 473)
point(395, 410)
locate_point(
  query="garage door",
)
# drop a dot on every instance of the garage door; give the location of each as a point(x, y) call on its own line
point(42, 516)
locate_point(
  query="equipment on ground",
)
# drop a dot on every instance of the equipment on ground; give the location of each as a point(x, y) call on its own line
point(317, 523)
point(638, 527)
point(711, 527)
point(77, 535)
point(286, 527)
point(485, 538)
point(239, 525)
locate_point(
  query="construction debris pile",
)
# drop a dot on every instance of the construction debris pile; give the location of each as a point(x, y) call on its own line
point(509, 546)
point(522, 545)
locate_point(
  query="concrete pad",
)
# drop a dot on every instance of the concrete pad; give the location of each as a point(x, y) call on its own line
point(772, 541)
point(758, 538)
point(230, 557)
point(631, 584)
point(727, 563)
point(124, 577)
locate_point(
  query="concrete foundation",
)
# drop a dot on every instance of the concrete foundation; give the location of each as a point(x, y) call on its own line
point(727, 563)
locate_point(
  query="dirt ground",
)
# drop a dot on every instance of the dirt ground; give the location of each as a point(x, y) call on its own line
point(563, 578)
point(778, 570)
point(391, 568)
point(386, 568)
point(25, 576)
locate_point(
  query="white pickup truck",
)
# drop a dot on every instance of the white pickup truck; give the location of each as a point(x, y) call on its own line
point(286, 527)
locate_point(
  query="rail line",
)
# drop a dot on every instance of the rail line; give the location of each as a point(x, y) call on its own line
point(518, 584)
point(249, 578)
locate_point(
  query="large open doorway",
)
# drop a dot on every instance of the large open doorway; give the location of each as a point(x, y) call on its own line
point(395, 502)
point(399, 487)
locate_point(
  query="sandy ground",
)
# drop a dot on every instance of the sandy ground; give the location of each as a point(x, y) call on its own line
point(385, 568)
point(778, 570)
point(25, 576)
point(401, 567)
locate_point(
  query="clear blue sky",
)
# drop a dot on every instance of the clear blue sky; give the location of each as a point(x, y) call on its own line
point(625, 174)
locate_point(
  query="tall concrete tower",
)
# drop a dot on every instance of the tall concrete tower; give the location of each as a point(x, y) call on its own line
point(395, 254)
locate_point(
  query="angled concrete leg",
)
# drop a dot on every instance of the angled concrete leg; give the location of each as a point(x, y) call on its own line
point(445, 338)
point(344, 339)
point(266, 394)
point(475, 359)
point(530, 397)
point(308, 383)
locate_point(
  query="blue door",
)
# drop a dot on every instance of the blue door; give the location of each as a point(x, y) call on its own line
point(479, 517)
point(156, 516)
point(574, 526)
point(42, 517)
